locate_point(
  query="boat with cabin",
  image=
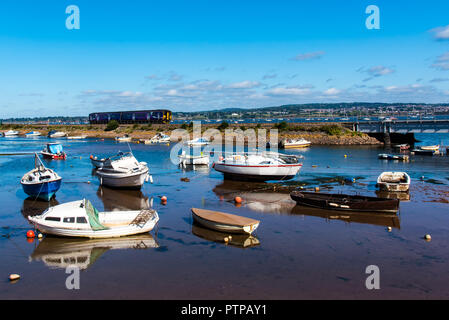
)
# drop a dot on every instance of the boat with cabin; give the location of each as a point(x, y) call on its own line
point(32, 134)
point(41, 182)
point(77, 137)
point(123, 171)
point(198, 142)
point(81, 219)
point(11, 133)
point(54, 151)
point(386, 156)
point(159, 138)
point(56, 134)
point(125, 138)
point(259, 166)
point(294, 143)
point(393, 181)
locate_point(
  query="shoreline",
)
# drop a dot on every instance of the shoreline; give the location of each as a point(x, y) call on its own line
point(316, 133)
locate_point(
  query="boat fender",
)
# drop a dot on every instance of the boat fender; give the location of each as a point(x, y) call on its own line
point(151, 179)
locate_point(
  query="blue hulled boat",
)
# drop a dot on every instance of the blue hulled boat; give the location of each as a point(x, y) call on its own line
point(41, 182)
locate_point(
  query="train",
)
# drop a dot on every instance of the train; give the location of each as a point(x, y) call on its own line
point(130, 117)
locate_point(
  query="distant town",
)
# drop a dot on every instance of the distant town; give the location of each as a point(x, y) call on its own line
point(325, 110)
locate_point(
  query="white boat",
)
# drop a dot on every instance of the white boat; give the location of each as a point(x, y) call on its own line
point(393, 181)
point(32, 134)
point(123, 171)
point(433, 148)
point(259, 166)
point(159, 138)
point(187, 159)
point(224, 222)
point(198, 142)
point(77, 137)
point(295, 143)
point(11, 133)
point(56, 134)
point(125, 138)
point(80, 219)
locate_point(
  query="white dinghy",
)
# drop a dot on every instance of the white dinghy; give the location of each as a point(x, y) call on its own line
point(394, 181)
point(80, 219)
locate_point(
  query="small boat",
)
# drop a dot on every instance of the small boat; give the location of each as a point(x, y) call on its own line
point(54, 151)
point(125, 138)
point(56, 134)
point(159, 138)
point(11, 133)
point(77, 137)
point(294, 143)
point(81, 219)
point(434, 148)
point(386, 156)
point(187, 159)
point(41, 182)
point(259, 166)
point(123, 171)
point(224, 222)
point(420, 151)
point(32, 134)
point(197, 142)
point(393, 181)
point(403, 146)
point(345, 202)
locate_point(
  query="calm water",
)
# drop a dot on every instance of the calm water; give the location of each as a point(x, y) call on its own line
point(295, 253)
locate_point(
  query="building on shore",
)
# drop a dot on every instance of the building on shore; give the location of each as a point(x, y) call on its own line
point(138, 116)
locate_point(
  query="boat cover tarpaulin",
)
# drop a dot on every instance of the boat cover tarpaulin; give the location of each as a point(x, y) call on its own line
point(92, 213)
point(55, 148)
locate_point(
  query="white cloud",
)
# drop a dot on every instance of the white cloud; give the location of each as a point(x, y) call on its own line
point(309, 56)
point(289, 91)
point(332, 92)
point(244, 85)
point(442, 62)
point(441, 33)
point(376, 71)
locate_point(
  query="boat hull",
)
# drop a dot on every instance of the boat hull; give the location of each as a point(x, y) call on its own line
point(222, 227)
point(44, 191)
point(194, 160)
point(259, 172)
point(108, 233)
point(54, 156)
point(126, 181)
point(343, 202)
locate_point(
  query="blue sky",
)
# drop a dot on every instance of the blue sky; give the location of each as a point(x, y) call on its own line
point(202, 55)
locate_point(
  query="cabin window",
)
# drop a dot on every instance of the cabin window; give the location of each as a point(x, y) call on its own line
point(81, 220)
point(53, 219)
point(69, 220)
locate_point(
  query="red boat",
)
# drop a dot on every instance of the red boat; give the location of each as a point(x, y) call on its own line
point(54, 151)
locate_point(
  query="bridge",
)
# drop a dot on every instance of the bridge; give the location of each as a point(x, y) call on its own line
point(401, 130)
point(400, 126)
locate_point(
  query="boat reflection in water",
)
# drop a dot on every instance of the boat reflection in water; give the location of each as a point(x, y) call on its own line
point(58, 252)
point(31, 207)
point(257, 199)
point(237, 240)
point(121, 200)
point(402, 196)
point(373, 218)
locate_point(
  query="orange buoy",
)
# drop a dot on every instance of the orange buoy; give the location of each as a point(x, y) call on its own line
point(238, 200)
point(164, 200)
point(30, 234)
point(91, 156)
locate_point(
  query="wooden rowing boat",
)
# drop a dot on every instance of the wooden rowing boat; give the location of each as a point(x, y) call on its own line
point(224, 222)
point(345, 202)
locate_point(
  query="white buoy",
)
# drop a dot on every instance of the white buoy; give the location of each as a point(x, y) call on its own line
point(428, 237)
point(13, 277)
point(389, 229)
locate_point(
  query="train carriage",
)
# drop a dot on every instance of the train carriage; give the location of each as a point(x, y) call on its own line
point(130, 117)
